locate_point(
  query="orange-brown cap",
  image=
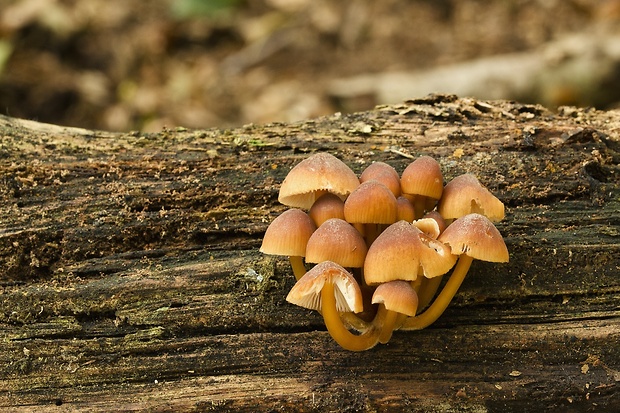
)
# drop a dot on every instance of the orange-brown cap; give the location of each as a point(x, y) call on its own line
point(465, 194)
point(422, 177)
point(401, 251)
point(476, 236)
point(288, 234)
point(326, 207)
point(406, 211)
point(384, 173)
point(336, 240)
point(307, 291)
point(398, 296)
point(371, 203)
point(314, 176)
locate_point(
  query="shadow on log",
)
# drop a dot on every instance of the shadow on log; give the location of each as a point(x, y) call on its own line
point(131, 278)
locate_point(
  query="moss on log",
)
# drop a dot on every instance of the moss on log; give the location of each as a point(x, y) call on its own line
point(131, 278)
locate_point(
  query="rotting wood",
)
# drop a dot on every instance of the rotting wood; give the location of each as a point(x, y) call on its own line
point(131, 278)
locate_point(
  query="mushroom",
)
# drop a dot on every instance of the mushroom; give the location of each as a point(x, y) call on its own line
point(326, 207)
point(330, 289)
point(384, 173)
point(464, 195)
point(336, 240)
point(314, 176)
point(470, 237)
point(288, 235)
point(400, 301)
point(422, 183)
point(402, 252)
point(369, 205)
point(405, 209)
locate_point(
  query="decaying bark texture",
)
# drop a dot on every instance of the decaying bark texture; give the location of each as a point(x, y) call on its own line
point(131, 279)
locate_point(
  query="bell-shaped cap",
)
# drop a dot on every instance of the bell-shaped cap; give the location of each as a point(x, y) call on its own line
point(398, 296)
point(288, 234)
point(422, 177)
point(371, 203)
point(336, 240)
point(314, 176)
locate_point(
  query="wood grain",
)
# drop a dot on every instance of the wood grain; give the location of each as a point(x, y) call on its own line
point(131, 278)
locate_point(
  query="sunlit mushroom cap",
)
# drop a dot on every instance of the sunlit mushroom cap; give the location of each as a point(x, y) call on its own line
point(336, 240)
point(398, 296)
point(371, 203)
point(314, 176)
point(307, 291)
point(288, 234)
point(422, 177)
point(464, 195)
point(401, 251)
point(384, 173)
point(476, 236)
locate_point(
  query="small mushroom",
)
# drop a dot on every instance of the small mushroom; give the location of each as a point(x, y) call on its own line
point(405, 209)
point(400, 301)
point(288, 234)
point(314, 176)
point(465, 195)
point(383, 173)
point(326, 207)
point(330, 289)
point(402, 252)
point(336, 240)
point(422, 183)
point(370, 206)
point(470, 237)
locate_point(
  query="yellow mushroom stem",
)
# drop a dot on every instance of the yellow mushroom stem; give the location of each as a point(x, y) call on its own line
point(391, 322)
point(337, 329)
point(427, 291)
point(297, 264)
point(442, 301)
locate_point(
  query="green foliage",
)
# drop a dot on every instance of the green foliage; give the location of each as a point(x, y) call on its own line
point(183, 9)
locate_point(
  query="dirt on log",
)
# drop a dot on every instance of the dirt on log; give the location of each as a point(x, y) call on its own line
point(131, 279)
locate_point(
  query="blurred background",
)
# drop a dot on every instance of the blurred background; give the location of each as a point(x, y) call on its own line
point(125, 65)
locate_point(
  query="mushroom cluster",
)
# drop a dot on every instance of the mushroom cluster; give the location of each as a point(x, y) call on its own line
point(380, 244)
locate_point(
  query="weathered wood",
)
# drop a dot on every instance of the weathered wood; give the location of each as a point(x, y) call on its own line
point(131, 278)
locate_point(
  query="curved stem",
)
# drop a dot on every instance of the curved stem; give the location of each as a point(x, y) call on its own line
point(336, 328)
point(428, 290)
point(440, 304)
point(297, 264)
point(389, 324)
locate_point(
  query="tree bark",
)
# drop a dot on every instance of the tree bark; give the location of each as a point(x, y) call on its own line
point(131, 278)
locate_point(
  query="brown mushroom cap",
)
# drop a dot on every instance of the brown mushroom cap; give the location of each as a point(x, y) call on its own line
point(476, 236)
point(326, 207)
point(371, 203)
point(401, 251)
point(314, 176)
point(465, 194)
point(307, 291)
point(288, 234)
point(397, 296)
point(406, 212)
point(384, 173)
point(336, 240)
point(422, 177)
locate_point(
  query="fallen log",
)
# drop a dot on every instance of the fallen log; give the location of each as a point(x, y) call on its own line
point(131, 278)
